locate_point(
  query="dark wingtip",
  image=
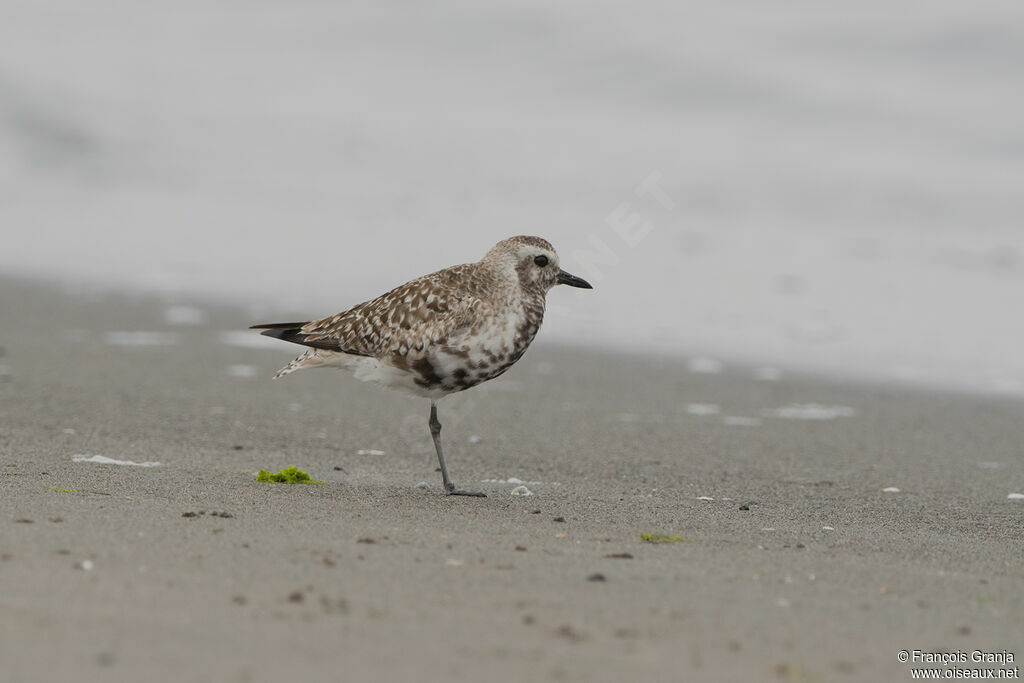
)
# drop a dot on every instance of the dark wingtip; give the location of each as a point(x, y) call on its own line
point(278, 326)
point(292, 332)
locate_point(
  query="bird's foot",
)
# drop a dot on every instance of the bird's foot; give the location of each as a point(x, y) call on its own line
point(459, 492)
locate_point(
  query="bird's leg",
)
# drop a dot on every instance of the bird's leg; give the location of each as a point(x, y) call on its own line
point(449, 485)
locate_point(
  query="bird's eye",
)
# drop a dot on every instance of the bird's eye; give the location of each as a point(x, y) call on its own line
point(541, 260)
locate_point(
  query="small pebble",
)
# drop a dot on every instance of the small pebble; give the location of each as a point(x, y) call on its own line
point(890, 489)
point(745, 508)
point(558, 519)
point(296, 596)
point(596, 576)
point(568, 632)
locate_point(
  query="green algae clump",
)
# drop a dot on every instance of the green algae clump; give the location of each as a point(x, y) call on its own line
point(289, 475)
point(661, 538)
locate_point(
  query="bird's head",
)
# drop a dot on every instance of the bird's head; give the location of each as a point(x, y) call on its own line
point(535, 263)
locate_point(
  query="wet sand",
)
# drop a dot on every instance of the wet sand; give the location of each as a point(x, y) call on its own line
point(801, 567)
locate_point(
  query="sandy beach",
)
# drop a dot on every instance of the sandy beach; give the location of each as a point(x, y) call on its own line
point(795, 561)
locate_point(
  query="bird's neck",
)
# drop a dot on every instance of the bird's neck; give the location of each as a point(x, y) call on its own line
point(533, 316)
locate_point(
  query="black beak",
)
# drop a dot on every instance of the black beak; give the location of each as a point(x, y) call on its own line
point(565, 278)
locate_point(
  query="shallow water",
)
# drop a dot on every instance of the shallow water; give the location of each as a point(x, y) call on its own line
point(820, 188)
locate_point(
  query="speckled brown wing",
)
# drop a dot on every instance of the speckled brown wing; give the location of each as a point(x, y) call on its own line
point(424, 312)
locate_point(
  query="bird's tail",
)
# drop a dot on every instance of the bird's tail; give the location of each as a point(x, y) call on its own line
point(290, 368)
point(292, 332)
point(310, 359)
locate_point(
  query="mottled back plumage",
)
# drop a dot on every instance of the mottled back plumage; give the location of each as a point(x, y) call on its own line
point(447, 331)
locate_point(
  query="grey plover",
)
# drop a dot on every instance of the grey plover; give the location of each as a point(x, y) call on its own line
point(440, 333)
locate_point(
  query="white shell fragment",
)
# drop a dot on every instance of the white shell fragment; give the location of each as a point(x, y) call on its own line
point(104, 460)
point(521, 491)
